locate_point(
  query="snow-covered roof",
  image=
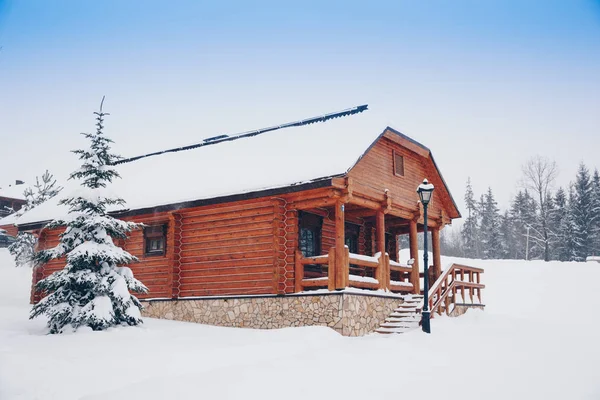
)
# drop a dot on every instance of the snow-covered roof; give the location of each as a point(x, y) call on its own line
point(13, 191)
point(275, 159)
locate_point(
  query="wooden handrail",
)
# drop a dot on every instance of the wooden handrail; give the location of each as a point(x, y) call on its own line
point(362, 263)
point(400, 268)
point(469, 268)
point(444, 289)
point(319, 260)
point(381, 267)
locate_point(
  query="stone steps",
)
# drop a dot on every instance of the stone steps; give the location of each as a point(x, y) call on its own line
point(404, 318)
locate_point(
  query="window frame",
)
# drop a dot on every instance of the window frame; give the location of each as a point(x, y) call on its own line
point(351, 236)
point(150, 235)
point(395, 155)
point(314, 224)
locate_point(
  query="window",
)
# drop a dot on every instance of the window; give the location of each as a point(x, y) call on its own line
point(309, 238)
point(351, 237)
point(398, 164)
point(155, 240)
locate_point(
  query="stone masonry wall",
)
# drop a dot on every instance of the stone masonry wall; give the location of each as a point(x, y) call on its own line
point(461, 309)
point(349, 314)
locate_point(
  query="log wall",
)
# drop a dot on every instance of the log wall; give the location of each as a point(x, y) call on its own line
point(10, 229)
point(375, 172)
point(230, 249)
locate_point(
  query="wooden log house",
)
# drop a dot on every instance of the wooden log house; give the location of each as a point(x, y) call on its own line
point(276, 213)
point(11, 200)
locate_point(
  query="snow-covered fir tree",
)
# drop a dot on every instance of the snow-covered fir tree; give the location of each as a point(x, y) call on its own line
point(557, 224)
point(491, 233)
point(93, 289)
point(581, 208)
point(523, 215)
point(567, 232)
point(508, 237)
point(469, 230)
point(44, 190)
point(23, 249)
point(595, 225)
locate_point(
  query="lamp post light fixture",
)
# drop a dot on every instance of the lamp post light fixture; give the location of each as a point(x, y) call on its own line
point(425, 191)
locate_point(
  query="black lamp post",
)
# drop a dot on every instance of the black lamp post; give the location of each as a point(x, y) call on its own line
point(425, 191)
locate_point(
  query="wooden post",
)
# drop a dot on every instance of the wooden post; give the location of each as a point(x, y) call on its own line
point(387, 272)
point(341, 273)
point(437, 258)
point(298, 272)
point(380, 231)
point(383, 274)
point(396, 249)
point(414, 254)
point(346, 266)
point(331, 270)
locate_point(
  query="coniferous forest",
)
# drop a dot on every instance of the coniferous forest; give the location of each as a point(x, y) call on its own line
point(542, 222)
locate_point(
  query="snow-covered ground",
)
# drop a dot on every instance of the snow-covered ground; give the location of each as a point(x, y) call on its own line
point(538, 339)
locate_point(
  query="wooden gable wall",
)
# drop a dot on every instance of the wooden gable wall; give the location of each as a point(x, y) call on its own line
point(375, 172)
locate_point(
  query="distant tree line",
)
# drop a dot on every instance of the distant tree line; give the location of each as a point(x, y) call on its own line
point(541, 223)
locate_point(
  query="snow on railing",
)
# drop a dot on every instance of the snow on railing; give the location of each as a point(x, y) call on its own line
point(360, 271)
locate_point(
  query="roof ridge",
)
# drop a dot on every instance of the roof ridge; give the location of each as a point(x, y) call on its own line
point(229, 138)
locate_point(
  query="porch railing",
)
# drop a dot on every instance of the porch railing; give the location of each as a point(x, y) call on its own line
point(374, 272)
point(456, 279)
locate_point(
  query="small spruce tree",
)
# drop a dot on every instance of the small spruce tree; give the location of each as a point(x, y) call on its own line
point(93, 289)
point(23, 249)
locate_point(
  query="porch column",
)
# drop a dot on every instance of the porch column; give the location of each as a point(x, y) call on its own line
point(414, 254)
point(394, 249)
point(435, 248)
point(383, 275)
point(341, 263)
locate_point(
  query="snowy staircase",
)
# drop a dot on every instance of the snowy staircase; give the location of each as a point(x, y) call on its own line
point(404, 318)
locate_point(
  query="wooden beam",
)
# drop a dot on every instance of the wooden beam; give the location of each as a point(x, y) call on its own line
point(340, 256)
point(364, 202)
point(361, 213)
point(414, 254)
point(331, 270)
point(380, 231)
point(314, 203)
point(435, 247)
point(298, 272)
point(401, 212)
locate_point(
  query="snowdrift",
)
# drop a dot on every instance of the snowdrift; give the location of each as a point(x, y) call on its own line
point(537, 339)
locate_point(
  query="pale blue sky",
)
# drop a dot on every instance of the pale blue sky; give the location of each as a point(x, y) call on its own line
point(484, 84)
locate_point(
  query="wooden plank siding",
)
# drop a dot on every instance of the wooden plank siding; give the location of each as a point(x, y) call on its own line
point(10, 229)
point(375, 173)
point(230, 250)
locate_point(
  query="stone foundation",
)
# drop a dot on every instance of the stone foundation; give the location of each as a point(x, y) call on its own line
point(349, 314)
point(460, 309)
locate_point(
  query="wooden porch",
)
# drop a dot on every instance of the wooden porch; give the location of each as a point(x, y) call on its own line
point(358, 271)
point(375, 264)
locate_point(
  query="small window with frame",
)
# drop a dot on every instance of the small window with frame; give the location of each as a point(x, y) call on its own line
point(398, 164)
point(155, 239)
point(309, 235)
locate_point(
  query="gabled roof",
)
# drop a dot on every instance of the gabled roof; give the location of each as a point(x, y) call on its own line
point(274, 160)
